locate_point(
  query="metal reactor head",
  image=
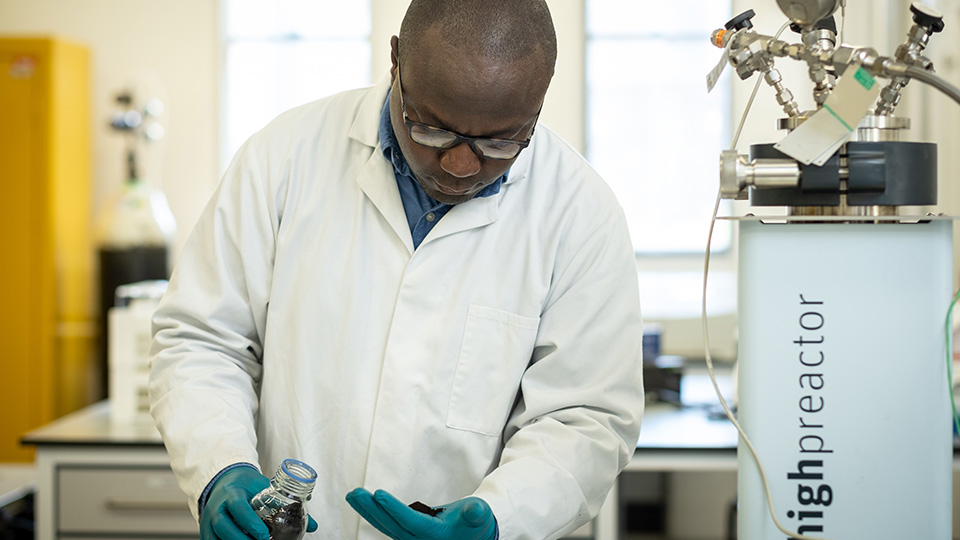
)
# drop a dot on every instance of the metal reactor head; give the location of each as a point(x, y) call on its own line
point(808, 12)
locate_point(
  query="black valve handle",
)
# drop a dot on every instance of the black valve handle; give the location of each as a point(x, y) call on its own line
point(741, 21)
point(927, 17)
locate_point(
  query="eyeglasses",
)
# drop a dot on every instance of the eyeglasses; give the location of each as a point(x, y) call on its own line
point(434, 137)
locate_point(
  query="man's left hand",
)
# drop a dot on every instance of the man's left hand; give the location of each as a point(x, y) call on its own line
point(466, 519)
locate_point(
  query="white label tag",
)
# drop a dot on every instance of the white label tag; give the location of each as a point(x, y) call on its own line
point(815, 140)
point(715, 73)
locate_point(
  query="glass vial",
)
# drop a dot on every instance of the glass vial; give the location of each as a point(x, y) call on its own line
point(281, 506)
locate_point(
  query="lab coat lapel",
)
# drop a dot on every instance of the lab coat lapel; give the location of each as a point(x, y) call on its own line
point(469, 215)
point(379, 184)
point(376, 178)
point(481, 211)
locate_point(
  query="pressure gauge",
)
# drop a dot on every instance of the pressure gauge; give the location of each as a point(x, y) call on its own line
point(808, 12)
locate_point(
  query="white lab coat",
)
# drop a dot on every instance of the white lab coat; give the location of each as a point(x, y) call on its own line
point(499, 359)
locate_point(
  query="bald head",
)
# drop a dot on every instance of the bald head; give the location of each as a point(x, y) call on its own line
point(503, 31)
point(477, 68)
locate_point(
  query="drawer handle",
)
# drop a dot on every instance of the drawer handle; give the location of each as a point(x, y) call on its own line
point(150, 506)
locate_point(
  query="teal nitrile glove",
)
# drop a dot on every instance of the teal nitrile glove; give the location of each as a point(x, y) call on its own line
point(466, 519)
point(228, 514)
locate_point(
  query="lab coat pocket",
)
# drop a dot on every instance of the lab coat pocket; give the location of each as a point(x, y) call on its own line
point(496, 349)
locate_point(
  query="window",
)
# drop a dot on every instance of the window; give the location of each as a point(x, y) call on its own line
point(653, 132)
point(285, 53)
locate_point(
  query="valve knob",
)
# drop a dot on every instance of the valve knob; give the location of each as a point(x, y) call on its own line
point(741, 21)
point(927, 17)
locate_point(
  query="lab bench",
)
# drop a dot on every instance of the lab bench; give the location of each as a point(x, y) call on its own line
point(97, 479)
point(17, 480)
point(17, 487)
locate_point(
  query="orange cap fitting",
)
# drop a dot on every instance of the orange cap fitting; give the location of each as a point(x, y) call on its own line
point(717, 37)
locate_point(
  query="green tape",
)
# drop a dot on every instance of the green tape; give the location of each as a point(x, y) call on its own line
point(837, 116)
point(865, 79)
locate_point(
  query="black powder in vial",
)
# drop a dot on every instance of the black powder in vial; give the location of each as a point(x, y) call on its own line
point(287, 523)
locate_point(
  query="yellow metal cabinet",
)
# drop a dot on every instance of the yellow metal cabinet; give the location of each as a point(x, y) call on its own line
point(46, 260)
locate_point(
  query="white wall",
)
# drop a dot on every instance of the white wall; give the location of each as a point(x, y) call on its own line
point(173, 42)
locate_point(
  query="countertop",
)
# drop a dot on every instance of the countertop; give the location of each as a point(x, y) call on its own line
point(17, 480)
point(92, 426)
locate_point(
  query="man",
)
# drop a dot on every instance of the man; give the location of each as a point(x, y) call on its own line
point(407, 289)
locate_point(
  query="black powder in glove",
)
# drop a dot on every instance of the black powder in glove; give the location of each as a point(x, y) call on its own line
point(424, 509)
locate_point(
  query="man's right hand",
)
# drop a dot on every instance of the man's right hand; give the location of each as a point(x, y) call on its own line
point(228, 514)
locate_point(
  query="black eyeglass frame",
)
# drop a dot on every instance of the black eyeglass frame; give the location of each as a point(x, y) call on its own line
point(459, 139)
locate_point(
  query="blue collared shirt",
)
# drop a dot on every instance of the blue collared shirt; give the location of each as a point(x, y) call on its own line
point(423, 212)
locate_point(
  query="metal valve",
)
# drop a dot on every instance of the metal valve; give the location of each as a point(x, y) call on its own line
point(927, 21)
point(737, 174)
